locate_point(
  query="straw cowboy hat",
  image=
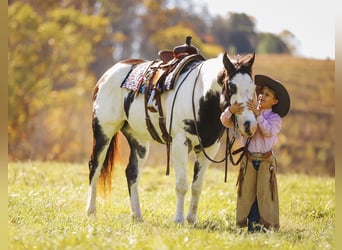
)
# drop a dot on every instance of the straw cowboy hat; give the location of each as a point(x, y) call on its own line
point(283, 105)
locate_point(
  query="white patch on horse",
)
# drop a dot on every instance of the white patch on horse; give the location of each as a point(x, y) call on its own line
point(245, 91)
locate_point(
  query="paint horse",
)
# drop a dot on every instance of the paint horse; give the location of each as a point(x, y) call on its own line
point(192, 113)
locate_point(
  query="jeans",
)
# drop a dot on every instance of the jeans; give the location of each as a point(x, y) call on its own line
point(254, 216)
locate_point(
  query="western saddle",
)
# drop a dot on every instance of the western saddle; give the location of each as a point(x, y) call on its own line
point(158, 70)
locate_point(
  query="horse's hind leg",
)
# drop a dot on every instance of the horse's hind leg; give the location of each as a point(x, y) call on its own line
point(200, 168)
point(139, 150)
point(101, 145)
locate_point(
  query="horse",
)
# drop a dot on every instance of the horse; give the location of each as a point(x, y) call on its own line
point(192, 114)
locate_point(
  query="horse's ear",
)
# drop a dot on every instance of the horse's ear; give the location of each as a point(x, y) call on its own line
point(229, 66)
point(250, 60)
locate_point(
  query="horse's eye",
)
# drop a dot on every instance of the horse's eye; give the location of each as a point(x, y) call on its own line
point(232, 88)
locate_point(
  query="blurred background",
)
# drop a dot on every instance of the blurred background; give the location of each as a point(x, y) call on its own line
point(58, 49)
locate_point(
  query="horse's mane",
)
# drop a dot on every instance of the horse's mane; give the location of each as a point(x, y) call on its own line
point(242, 63)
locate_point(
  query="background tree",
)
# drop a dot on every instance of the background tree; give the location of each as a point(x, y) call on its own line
point(154, 17)
point(121, 37)
point(58, 50)
point(271, 44)
point(174, 36)
point(292, 43)
point(27, 86)
point(236, 32)
point(49, 62)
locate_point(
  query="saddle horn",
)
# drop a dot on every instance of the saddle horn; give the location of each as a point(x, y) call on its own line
point(186, 48)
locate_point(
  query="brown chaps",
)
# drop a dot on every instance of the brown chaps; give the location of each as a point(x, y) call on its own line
point(260, 185)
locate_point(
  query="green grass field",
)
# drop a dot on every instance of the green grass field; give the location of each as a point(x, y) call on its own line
point(46, 210)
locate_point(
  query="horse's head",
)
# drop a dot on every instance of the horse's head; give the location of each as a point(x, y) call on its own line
point(238, 86)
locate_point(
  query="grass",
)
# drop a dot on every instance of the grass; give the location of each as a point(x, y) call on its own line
point(46, 210)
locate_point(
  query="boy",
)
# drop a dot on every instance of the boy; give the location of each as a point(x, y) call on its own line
point(257, 196)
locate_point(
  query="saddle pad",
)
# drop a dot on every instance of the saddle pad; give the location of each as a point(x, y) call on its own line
point(135, 76)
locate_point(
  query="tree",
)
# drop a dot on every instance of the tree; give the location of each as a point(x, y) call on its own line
point(58, 49)
point(292, 43)
point(49, 57)
point(269, 43)
point(174, 36)
point(121, 37)
point(27, 85)
point(235, 33)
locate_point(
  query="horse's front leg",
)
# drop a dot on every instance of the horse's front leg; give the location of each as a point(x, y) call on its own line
point(180, 162)
point(137, 158)
point(200, 168)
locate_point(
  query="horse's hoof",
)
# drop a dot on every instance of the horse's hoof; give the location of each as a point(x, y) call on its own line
point(191, 220)
point(141, 220)
point(179, 220)
point(137, 219)
point(91, 216)
point(91, 213)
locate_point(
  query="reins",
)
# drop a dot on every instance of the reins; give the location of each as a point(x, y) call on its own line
point(172, 107)
point(229, 144)
point(174, 98)
point(241, 150)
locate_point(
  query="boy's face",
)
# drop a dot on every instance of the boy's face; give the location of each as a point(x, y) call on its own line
point(267, 98)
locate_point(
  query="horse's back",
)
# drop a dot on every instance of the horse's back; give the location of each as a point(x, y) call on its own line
point(109, 96)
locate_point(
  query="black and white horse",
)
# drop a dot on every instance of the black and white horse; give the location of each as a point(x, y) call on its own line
point(193, 107)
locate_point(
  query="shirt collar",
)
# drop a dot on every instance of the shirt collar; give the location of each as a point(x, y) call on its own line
point(267, 111)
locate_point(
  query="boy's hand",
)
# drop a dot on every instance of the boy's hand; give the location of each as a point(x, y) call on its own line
point(236, 108)
point(252, 105)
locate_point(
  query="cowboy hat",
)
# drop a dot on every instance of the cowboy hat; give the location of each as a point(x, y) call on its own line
point(283, 105)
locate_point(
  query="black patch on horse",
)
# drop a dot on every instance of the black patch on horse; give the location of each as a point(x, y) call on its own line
point(136, 150)
point(209, 126)
point(129, 98)
point(197, 169)
point(99, 143)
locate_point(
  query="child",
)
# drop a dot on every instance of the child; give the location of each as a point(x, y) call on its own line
point(257, 196)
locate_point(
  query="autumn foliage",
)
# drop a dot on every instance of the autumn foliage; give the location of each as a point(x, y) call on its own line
point(58, 50)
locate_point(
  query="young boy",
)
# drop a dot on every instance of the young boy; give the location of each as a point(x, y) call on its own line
point(257, 196)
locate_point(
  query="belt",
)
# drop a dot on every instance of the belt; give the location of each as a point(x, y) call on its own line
point(257, 156)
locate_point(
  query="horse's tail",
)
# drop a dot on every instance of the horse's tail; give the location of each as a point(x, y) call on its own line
point(112, 157)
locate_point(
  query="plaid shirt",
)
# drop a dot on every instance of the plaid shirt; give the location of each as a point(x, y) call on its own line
point(266, 135)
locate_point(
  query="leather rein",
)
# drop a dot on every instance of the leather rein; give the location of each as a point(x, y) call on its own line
point(229, 142)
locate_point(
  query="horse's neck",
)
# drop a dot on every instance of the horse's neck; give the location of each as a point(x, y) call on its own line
point(209, 72)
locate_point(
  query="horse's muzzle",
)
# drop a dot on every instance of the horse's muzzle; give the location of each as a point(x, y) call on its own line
point(248, 129)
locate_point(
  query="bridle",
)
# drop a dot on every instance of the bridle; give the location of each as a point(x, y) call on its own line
point(228, 91)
